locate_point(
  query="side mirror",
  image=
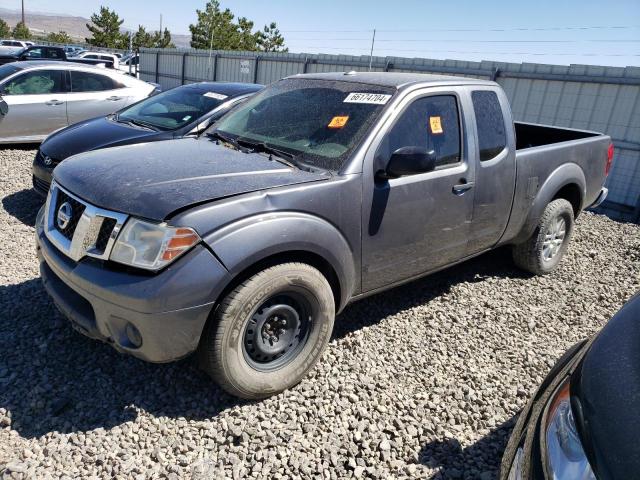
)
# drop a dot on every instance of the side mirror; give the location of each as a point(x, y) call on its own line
point(4, 107)
point(409, 161)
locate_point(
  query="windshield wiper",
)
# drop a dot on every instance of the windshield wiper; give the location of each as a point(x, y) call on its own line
point(136, 123)
point(285, 157)
point(231, 141)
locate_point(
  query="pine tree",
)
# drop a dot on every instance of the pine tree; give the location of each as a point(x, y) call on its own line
point(21, 32)
point(215, 27)
point(246, 39)
point(59, 37)
point(5, 31)
point(142, 38)
point(105, 30)
point(163, 40)
point(270, 39)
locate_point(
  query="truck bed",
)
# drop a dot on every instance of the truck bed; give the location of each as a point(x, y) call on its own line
point(529, 135)
point(549, 154)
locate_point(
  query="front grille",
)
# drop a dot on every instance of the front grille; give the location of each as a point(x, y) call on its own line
point(89, 229)
point(77, 209)
point(108, 224)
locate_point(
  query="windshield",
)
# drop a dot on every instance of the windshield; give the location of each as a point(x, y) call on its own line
point(172, 109)
point(320, 122)
point(6, 70)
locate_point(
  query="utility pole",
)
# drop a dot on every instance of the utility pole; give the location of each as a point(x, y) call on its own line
point(23, 13)
point(373, 40)
point(160, 24)
point(210, 47)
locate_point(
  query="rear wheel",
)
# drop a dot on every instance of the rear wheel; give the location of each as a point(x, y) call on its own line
point(270, 331)
point(542, 252)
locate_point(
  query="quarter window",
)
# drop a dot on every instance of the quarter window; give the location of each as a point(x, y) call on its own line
point(430, 123)
point(492, 136)
point(92, 82)
point(37, 82)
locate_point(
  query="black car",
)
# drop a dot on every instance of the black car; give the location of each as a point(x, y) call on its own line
point(182, 111)
point(584, 421)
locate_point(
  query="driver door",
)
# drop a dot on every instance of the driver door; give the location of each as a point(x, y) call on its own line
point(417, 223)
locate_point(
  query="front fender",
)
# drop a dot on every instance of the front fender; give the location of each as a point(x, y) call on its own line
point(566, 174)
point(250, 240)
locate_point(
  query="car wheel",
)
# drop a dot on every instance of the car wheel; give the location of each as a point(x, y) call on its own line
point(269, 331)
point(542, 252)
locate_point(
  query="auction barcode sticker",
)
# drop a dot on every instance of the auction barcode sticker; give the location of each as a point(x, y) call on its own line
point(373, 98)
point(217, 96)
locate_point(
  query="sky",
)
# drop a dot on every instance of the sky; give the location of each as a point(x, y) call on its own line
point(542, 31)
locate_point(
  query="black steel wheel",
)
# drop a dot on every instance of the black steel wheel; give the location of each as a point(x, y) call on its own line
point(276, 331)
point(268, 332)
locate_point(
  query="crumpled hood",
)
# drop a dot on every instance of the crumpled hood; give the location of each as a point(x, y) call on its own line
point(91, 135)
point(152, 180)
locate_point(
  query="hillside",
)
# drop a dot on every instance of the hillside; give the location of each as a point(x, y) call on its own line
point(43, 23)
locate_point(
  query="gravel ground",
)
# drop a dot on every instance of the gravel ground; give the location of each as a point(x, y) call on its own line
point(421, 381)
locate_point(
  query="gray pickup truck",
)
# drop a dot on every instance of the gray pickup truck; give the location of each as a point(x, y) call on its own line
point(320, 190)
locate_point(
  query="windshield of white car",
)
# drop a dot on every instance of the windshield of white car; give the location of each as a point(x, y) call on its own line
point(172, 109)
point(319, 122)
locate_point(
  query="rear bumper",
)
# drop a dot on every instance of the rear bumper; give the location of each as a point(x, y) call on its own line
point(601, 197)
point(168, 310)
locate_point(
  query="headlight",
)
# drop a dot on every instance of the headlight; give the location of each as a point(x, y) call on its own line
point(150, 245)
point(565, 456)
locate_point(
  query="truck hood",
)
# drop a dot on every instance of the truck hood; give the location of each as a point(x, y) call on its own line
point(92, 134)
point(153, 180)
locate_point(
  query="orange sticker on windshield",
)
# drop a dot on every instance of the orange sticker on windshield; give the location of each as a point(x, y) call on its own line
point(338, 122)
point(436, 125)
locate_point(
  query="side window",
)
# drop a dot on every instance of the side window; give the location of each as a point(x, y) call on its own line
point(430, 123)
point(492, 136)
point(34, 53)
point(36, 82)
point(53, 53)
point(92, 82)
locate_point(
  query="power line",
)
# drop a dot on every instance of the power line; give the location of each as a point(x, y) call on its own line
point(511, 29)
point(457, 40)
point(480, 52)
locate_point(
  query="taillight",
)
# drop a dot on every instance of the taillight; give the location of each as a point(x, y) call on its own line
point(607, 168)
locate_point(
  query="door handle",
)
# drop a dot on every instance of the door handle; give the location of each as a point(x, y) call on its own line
point(461, 188)
point(54, 102)
point(114, 98)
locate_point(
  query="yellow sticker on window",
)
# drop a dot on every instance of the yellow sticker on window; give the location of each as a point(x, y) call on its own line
point(436, 125)
point(338, 122)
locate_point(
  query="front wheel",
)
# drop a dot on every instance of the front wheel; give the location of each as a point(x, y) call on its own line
point(542, 252)
point(270, 331)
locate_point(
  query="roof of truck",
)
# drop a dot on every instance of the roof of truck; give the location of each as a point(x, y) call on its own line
point(393, 79)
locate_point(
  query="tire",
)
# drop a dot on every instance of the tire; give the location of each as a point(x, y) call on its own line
point(269, 332)
point(544, 250)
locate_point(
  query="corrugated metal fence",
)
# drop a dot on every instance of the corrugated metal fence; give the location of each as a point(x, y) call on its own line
point(605, 99)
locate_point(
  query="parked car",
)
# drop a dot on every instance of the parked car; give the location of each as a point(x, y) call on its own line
point(40, 52)
point(130, 64)
point(316, 192)
point(182, 111)
point(9, 45)
point(101, 56)
point(44, 96)
point(72, 50)
point(583, 421)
